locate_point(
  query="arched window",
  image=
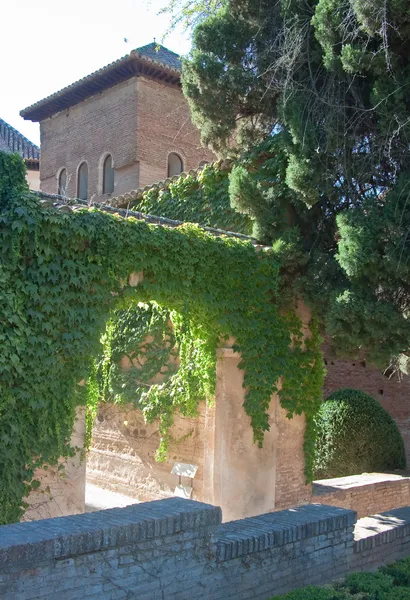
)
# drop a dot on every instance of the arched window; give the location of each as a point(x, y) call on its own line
point(62, 183)
point(108, 176)
point(175, 164)
point(82, 181)
point(203, 163)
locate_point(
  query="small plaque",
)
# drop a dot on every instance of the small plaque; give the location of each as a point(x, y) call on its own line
point(184, 470)
point(183, 491)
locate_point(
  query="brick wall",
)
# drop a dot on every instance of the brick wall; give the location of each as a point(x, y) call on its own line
point(164, 126)
point(393, 394)
point(138, 122)
point(290, 470)
point(104, 123)
point(381, 539)
point(366, 494)
point(177, 549)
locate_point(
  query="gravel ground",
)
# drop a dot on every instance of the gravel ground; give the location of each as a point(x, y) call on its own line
point(97, 498)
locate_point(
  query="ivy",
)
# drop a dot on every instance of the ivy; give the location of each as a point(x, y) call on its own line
point(202, 197)
point(157, 343)
point(64, 272)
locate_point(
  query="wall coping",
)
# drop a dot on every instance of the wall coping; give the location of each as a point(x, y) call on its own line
point(381, 529)
point(255, 534)
point(37, 541)
point(351, 482)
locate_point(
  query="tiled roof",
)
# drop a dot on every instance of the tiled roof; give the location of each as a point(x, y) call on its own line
point(152, 60)
point(12, 140)
point(161, 54)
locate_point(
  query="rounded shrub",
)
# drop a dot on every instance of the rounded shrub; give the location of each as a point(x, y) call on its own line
point(354, 434)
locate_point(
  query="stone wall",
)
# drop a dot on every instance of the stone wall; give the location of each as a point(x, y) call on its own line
point(366, 494)
point(381, 539)
point(178, 550)
point(172, 549)
point(392, 393)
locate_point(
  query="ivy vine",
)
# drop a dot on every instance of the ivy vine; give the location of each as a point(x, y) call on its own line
point(202, 198)
point(64, 272)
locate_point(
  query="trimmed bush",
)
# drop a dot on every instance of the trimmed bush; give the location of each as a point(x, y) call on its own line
point(354, 434)
point(314, 592)
point(370, 583)
point(400, 571)
point(388, 583)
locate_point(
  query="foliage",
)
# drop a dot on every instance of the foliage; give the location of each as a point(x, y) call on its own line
point(333, 73)
point(382, 585)
point(63, 272)
point(202, 198)
point(314, 592)
point(158, 344)
point(374, 251)
point(324, 84)
point(355, 434)
point(188, 13)
point(399, 571)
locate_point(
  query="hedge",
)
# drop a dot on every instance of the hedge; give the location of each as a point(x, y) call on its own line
point(355, 434)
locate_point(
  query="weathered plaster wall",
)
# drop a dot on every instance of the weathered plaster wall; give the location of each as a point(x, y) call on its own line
point(233, 472)
point(240, 475)
point(62, 492)
point(33, 179)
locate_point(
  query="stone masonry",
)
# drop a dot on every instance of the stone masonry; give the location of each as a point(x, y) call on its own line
point(177, 549)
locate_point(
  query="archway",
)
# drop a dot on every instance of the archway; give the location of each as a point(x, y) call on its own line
point(64, 270)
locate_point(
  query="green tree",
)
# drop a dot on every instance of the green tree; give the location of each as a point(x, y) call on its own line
point(315, 98)
point(188, 13)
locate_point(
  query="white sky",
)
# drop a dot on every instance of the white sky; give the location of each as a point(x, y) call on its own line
point(47, 44)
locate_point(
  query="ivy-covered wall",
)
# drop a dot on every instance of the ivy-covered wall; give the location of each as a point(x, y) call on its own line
point(200, 196)
point(63, 272)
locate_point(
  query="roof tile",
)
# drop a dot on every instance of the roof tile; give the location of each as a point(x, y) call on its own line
point(12, 140)
point(154, 57)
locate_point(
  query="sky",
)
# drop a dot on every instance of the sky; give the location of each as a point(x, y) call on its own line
point(48, 44)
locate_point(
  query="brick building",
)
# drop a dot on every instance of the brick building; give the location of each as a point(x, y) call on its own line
point(125, 126)
point(13, 141)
